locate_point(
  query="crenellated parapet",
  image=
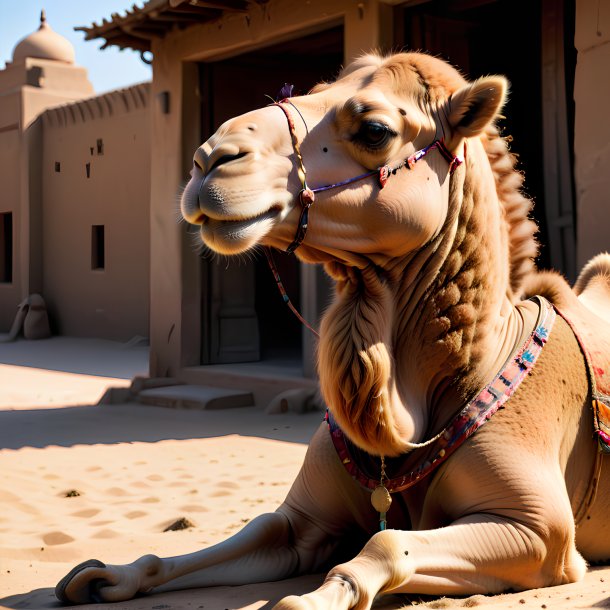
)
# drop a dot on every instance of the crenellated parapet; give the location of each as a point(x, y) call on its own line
point(99, 107)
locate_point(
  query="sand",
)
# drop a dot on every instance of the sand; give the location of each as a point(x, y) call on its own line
point(85, 481)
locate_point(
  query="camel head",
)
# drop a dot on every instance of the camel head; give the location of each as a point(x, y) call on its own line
point(246, 178)
point(364, 175)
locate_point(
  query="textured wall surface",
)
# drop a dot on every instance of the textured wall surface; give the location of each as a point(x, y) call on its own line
point(592, 128)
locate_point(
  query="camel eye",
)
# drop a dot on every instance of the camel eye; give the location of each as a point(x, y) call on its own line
point(373, 134)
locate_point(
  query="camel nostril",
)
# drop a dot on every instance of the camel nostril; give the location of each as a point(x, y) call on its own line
point(198, 219)
point(226, 159)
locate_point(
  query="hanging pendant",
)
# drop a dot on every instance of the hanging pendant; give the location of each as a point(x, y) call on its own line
point(381, 498)
point(381, 501)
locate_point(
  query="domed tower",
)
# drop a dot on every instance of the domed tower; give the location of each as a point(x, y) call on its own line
point(44, 43)
point(43, 64)
point(42, 73)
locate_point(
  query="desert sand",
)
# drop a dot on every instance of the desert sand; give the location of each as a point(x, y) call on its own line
point(80, 480)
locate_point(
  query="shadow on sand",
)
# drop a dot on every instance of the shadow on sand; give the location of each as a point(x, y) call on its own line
point(109, 424)
point(213, 598)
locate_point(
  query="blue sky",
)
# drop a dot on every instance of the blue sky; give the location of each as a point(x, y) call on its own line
point(109, 69)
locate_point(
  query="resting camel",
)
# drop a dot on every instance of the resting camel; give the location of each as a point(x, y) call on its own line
point(466, 444)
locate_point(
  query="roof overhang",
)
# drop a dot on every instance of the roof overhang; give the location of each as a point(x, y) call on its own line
point(156, 18)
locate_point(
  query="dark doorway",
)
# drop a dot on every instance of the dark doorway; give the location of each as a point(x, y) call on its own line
point(268, 330)
point(483, 37)
point(6, 248)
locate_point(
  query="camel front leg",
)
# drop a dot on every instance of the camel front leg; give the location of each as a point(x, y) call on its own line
point(477, 554)
point(262, 551)
point(299, 538)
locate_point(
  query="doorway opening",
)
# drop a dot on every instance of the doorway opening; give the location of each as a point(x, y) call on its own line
point(268, 329)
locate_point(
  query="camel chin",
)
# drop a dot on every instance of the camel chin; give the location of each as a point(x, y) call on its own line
point(231, 237)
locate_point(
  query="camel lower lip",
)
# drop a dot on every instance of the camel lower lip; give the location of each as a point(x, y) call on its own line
point(239, 223)
point(216, 231)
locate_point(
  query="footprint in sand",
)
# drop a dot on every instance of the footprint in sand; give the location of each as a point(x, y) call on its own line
point(150, 500)
point(7, 496)
point(116, 491)
point(227, 485)
point(155, 477)
point(221, 493)
point(101, 523)
point(93, 468)
point(25, 508)
point(50, 477)
point(135, 514)
point(55, 538)
point(103, 534)
point(85, 514)
point(177, 484)
point(194, 508)
point(141, 485)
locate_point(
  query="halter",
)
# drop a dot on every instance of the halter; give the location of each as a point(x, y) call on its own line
point(307, 195)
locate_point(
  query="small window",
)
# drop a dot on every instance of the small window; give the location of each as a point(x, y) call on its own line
point(100, 147)
point(57, 166)
point(98, 254)
point(88, 169)
point(6, 247)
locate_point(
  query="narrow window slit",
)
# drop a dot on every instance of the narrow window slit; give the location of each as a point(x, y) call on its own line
point(98, 253)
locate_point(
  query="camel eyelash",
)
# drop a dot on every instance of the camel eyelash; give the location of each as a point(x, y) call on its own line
point(373, 135)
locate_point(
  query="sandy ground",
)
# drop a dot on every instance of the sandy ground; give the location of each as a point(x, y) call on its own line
point(79, 481)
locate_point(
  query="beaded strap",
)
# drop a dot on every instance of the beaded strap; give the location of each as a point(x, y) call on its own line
point(478, 411)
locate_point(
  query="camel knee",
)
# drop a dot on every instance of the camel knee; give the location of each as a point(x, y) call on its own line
point(555, 558)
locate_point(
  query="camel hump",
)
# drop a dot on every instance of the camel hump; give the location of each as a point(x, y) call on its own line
point(593, 286)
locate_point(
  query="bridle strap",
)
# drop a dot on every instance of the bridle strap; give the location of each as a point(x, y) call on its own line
point(306, 195)
point(285, 297)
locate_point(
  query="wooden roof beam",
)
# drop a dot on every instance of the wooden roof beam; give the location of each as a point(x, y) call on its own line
point(235, 6)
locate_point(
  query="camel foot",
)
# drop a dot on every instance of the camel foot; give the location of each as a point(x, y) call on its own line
point(90, 593)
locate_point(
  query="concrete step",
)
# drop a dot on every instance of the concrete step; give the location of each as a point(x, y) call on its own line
point(196, 397)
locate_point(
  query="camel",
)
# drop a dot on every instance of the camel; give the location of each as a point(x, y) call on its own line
point(466, 440)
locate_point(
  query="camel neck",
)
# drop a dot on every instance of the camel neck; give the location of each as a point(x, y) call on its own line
point(408, 341)
point(454, 322)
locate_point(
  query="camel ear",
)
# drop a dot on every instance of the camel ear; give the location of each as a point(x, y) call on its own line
point(473, 107)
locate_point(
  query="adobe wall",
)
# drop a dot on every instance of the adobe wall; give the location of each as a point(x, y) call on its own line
point(27, 88)
point(10, 163)
point(10, 291)
point(176, 292)
point(592, 128)
point(96, 172)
